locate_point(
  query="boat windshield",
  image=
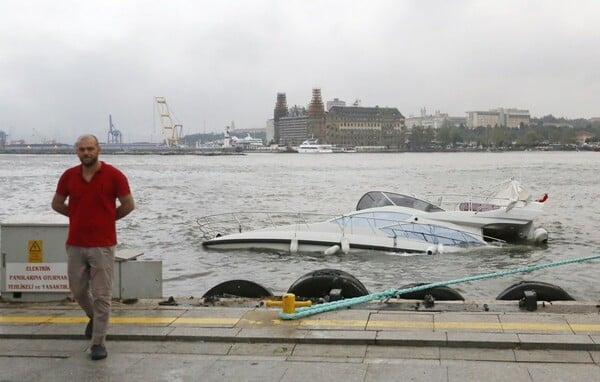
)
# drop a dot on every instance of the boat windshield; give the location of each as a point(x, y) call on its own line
point(398, 225)
point(380, 199)
point(430, 233)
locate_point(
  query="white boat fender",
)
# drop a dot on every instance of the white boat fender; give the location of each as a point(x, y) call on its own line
point(345, 245)
point(332, 250)
point(540, 236)
point(294, 246)
point(431, 250)
point(440, 248)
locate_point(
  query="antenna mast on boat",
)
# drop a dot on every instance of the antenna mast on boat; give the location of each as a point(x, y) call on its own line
point(171, 131)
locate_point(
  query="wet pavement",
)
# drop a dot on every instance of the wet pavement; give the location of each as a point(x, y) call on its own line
point(243, 340)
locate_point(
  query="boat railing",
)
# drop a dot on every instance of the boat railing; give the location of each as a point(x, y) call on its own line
point(226, 223)
point(475, 202)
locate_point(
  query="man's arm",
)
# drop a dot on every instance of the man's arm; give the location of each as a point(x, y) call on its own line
point(127, 205)
point(59, 205)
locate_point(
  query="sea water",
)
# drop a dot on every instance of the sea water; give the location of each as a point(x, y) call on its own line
point(172, 191)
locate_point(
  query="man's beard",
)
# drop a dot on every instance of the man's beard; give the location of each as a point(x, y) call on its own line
point(89, 162)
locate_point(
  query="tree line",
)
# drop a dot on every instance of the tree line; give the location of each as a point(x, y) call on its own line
point(497, 137)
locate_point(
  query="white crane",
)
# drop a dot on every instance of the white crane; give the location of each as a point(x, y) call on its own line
point(171, 130)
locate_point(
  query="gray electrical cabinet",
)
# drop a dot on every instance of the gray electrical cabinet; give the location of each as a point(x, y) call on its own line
point(134, 278)
point(34, 263)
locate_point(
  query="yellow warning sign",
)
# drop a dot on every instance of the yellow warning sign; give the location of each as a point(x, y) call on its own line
point(35, 251)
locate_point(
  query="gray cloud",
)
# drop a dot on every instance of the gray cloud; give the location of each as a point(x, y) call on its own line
point(65, 66)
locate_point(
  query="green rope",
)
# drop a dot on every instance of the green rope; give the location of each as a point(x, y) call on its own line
point(390, 293)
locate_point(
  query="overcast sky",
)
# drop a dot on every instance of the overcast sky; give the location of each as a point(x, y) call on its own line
point(66, 65)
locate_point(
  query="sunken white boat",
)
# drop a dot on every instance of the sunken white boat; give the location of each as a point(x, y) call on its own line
point(387, 221)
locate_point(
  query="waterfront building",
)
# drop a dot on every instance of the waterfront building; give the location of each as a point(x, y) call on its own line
point(510, 118)
point(316, 115)
point(364, 126)
point(342, 125)
point(435, 121)
point(335, 102)
point(280, 111)
point(270, 131)
point(293, 130)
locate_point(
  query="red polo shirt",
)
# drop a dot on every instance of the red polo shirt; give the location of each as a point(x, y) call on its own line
point(92, 205)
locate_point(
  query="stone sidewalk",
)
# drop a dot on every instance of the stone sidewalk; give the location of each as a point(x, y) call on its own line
point(248, 342)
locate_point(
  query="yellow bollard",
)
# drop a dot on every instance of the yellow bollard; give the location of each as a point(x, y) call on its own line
point(289, 303)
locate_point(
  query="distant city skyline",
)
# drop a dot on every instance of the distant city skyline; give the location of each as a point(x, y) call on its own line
point(65, 67)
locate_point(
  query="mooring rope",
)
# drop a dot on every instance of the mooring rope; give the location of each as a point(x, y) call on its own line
point(390, 293)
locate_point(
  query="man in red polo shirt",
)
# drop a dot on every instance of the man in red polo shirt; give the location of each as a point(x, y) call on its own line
point(92, 189)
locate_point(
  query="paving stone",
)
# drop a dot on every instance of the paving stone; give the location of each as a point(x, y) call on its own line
point(69, 330)
point(404, 352)
point(595, 356)
point(495, 340)
point(535, 323)
point(401, 321)
point(213, 311)
point(262, 349)
point(49, 345)
point(323, 360)
point(399, 372)
point(474, 322)
point(340, 336)
point(488, 371)
point(8, 344)
point(21, 330)
point(276, 334)
point(337, 320)
point(125, 332)
point(27, 368)
point(402, 361)
point(480, 354)
point(410, 338)
point(190, 333)
point(195, 347)
point(555, 341)
point(306, 371)
point(147, 313)
point(139, 347)
point(249, 371)
point(544, 372)
point(167, 367)
point(561, 356)
point(321, 350)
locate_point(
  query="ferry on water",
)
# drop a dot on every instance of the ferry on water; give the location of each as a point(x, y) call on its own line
point(313, 146)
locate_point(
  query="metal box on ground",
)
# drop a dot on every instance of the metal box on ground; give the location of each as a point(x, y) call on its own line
point(34, 262)
point(136, 279)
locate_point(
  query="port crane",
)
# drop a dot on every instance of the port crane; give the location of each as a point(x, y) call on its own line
point(171, 130)
point(114, 135)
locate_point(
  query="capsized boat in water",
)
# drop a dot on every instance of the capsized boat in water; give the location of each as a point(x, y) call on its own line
point(386, 221)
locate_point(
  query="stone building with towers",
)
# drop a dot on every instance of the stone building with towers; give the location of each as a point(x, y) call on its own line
point(341, 125)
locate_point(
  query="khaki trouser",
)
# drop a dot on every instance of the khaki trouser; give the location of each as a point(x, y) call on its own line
point(90, 273)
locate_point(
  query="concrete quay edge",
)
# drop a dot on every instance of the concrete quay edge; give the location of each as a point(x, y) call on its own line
point(564, 327)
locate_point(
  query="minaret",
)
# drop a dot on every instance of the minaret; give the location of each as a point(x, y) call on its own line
point(281, 110)
point(316, 116)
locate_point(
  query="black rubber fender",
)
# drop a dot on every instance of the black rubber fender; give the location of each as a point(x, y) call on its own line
point(238, 288)
point(440, 293)
point(319, 283)
point(544, 291)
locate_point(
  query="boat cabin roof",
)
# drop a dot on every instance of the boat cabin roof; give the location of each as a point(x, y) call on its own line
point(383, 198)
